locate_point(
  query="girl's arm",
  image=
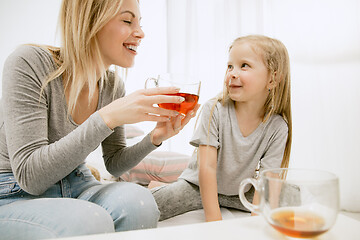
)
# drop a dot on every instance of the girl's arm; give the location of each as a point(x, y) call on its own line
point(255, 202)
point(208, 182)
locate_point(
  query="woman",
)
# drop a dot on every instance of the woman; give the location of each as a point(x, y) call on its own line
point(58, 105)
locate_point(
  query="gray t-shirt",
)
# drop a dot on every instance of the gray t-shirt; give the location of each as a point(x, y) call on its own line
point(39, 143)
point(237, 156)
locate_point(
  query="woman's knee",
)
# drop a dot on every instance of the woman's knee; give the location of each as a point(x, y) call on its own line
point(130, 205)
point(49, 218)
point(91, 218)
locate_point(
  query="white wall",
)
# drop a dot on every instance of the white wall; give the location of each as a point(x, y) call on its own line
point(323, 39)
point(23, 21)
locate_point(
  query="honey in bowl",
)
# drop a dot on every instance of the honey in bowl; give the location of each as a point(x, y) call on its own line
point(184, 107)
point(298, 223)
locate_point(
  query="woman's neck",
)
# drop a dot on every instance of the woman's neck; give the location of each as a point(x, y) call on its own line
point(84, 106)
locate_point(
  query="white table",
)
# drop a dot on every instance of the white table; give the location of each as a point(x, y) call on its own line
point(245, 228)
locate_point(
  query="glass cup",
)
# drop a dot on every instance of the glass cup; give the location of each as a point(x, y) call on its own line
point(300, 203)
point(189, 89)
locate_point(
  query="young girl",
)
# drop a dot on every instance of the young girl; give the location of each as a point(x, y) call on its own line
point(57, 106)
point(249, 123)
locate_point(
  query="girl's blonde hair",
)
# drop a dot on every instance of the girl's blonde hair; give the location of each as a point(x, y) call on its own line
point(79, 59)
point(276, 59)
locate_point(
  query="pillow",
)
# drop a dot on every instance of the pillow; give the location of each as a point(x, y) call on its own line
point(132, 131)
point(158, 166)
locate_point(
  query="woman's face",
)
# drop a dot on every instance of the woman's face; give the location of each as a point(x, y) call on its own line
point(247, 77)
point(120, 37)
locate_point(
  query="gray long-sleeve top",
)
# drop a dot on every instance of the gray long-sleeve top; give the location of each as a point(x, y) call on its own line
point(39, 142)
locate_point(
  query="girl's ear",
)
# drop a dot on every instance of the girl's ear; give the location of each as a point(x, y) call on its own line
point(272, 81)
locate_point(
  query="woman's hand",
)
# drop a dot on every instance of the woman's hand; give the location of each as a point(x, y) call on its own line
point(167, 129)
point(139, 106)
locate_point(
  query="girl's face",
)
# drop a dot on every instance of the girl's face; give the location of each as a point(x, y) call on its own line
point(247, 78)
point(120, 37)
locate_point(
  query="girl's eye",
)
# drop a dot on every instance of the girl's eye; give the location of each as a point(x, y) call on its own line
point(230, 67)
point(128, 22)
point(244, 65)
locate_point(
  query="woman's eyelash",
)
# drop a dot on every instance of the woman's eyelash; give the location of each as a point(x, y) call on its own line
point(128, 22)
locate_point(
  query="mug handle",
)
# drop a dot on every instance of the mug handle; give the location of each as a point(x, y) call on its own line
point(156, 81)
point(244, 201)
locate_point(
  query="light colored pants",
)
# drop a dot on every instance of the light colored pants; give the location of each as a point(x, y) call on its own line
point(182, 196)
point(76, 205)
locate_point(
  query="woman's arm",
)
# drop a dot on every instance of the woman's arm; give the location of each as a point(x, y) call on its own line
point(208, 182)
point(166, 130)
point(139, 106)
point(41, 148)
point(119, 158)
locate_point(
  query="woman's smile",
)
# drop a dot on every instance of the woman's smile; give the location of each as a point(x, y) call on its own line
point(131, 47)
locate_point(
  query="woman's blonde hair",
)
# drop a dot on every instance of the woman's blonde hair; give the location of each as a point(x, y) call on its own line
point(79, 59)
point(276, 59)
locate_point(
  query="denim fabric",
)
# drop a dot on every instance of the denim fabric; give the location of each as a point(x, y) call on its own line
point(76, 205)
point(182, 196)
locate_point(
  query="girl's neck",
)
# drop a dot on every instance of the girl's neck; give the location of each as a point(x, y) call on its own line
point(249, 110)
point(249, 117)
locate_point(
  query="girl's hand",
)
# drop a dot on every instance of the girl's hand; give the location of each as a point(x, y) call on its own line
point(138, 107)
point(167, 129)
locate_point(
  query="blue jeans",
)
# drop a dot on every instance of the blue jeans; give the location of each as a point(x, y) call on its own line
point(76, 205)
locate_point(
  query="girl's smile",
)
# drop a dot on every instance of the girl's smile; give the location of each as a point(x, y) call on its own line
point(247, 76)
point(234, 86)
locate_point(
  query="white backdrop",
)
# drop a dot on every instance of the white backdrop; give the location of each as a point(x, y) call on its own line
point(323, 39)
